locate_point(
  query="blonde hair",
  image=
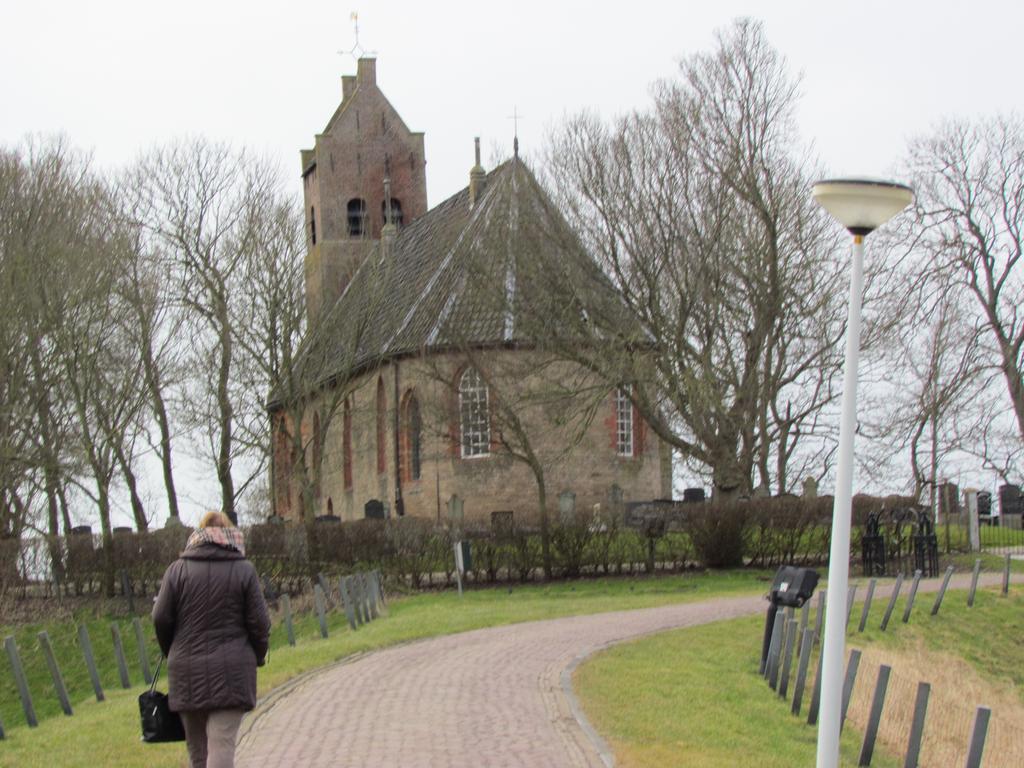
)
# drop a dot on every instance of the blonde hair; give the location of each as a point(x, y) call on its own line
point(216, 520)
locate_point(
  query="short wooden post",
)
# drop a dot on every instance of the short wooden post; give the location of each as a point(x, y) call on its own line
point(774, 650)
point(58, 678)
point(917, 725)
point(851, 677)
point(974, 582)
point(357, 588)
point(323, 585)
point(289, 627)
point(819, 615)
point(911, 596)
point(806, 644)
point(867, 605)
point(812, 710)
point(850, 596)
point(364, 582)
point(90, 661)
point(805, 613)
point(867, 748)
point(122, 664)
point(1006, 575)
point(978, 734)
point(126, 589)
point(787, 661)
point(371, 590)
point(19, 679)
point(346, 599)
point(140, 640)
point(318, 596)
point(942, 590)
point(892, 600)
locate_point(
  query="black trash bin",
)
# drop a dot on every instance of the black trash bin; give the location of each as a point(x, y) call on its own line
point(791, 587)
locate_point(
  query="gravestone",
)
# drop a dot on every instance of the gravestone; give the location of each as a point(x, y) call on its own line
point(567, 506)
point(455, 508)
point(374, 509)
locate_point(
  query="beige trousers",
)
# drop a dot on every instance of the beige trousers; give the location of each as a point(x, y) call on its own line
point(210, 737)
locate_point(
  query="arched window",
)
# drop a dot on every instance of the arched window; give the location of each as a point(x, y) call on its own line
point(382, 428)
point(346, 444)
point(624, 432)
point(356, 217)
point(396, 212)
point(317, 455)
point(474, 415)
point(412, 437)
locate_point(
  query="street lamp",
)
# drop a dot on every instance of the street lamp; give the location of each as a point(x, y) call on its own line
point(861, 206)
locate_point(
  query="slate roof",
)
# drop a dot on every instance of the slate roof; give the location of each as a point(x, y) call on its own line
point(505, 271)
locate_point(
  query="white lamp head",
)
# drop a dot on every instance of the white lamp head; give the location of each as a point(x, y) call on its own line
point(862, 205)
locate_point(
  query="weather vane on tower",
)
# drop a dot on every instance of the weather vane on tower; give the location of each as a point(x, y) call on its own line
point(356, 51)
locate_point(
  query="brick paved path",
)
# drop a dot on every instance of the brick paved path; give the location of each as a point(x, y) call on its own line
point(491, 697)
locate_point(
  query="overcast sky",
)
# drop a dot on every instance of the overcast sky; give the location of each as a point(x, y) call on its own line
point(119, 76)
point(116, 77)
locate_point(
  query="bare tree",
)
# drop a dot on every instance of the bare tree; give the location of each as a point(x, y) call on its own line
point(969, 178)
point(201, 203)
point(698, 211)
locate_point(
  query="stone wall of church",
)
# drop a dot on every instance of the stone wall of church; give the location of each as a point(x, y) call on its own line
point(496, 481)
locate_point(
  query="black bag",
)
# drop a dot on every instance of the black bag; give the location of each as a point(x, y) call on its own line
point(159, 723)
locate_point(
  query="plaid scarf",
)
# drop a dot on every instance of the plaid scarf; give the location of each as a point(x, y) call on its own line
point(229, 538)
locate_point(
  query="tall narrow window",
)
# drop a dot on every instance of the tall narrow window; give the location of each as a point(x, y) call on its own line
point(412, 430)
point(623, 422)
point(346, 444)
point(382, 431)
point(474, 415)
point(396, 212)
point(356, 217)
point(312, 224)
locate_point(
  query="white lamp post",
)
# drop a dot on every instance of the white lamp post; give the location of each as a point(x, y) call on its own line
point(861, 206)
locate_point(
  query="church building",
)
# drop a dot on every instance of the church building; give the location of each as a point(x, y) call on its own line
point(431, 389)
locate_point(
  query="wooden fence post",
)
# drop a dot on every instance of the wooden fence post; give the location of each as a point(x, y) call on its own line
point(917, 725)
point(819, 615)
point(380, 589)
point(892, 600)
point(911, 596)
point(1006, 575)
point(58, 678)
point(126, 589)
point(942, 591)
point(346, 599)
point(140, 640)
point(774, 650)
point(851, 677)
point(850, 596)
point(801, 673)
point(323, 585)
point(90, 661)
point(787, 662)
point(867, 605)
point(122, 664)
point(19, 679)
point(974, 582)
point(371, 591)
point(875, 717)
point(288, 626)
point(812, 710)
point(318, 597)
point(978, 734)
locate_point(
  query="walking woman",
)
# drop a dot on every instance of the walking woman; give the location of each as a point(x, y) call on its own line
point(212, 625)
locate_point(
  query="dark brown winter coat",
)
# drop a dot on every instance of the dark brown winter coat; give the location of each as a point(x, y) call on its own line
point(212, 625)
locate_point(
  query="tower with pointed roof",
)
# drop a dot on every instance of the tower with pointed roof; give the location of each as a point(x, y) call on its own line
point(343, 183)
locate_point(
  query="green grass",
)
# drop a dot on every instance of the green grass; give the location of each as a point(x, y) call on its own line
point(111, 728)
point(694, 697)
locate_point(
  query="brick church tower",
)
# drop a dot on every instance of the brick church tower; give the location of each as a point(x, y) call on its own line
point(364, 144)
